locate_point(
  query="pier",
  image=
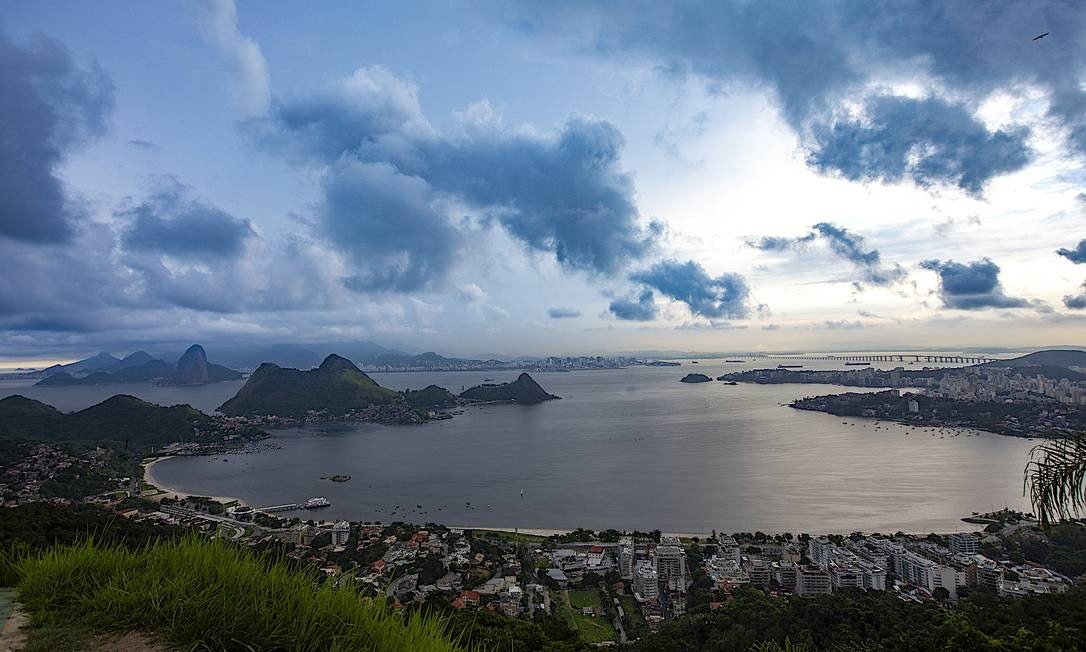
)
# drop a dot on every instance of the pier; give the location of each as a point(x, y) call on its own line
point(280, 508)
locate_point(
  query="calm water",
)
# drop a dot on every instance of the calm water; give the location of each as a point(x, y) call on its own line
point(629, 448)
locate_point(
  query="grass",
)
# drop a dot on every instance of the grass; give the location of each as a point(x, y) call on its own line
point(592, 629)
point(634, 619)
point(200, 594)
point(507, 536)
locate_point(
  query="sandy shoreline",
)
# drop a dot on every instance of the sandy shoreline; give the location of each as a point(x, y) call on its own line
point(170, 492)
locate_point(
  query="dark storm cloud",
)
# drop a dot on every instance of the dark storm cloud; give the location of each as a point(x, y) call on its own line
point(386, 224)
point(724, 296)
point(1076, 255)
point(1076, 301)
point(643, 308)
point(563, 313)
point(929, 141)
point(48, 108)
point(845, 245)
point(814, 56)
point(172, 222)
point(560, 193)
point(971, 286)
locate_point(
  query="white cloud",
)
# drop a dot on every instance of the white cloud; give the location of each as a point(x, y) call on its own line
point(250, 69)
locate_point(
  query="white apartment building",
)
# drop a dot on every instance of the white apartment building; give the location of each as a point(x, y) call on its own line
point(645, 581)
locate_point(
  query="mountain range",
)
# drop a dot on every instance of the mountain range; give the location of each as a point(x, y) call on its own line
point(192, 368)
point(338, 387)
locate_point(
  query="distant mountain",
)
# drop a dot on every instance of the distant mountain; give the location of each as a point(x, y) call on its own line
point(301, 355)
point(131, 360)
point(98, 362)
point(120, 418)
point(522, 390)
point(1051, 358)
point(336, 386)
point(191, 369)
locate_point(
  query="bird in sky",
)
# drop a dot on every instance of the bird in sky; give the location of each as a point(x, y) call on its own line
point(1038, 38)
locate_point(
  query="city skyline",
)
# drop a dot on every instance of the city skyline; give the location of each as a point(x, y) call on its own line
point(517, 179)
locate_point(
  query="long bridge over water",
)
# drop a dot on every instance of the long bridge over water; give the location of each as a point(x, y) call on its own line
point(890, 357)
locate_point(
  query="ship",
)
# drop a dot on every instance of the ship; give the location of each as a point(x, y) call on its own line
point(857, 364)
point(735, 361)
point(789, 366)
point(316, 503)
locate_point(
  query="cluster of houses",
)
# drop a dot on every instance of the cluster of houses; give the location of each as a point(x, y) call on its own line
point(22, 480)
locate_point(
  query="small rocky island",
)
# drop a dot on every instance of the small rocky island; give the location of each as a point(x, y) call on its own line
point(695, 378)
point(522, 390)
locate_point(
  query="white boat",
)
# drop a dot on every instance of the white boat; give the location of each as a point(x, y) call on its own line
point(319, 501)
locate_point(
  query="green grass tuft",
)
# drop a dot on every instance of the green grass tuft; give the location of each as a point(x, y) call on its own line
point(202, 594)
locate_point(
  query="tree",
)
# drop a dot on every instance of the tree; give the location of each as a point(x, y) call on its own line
point(1056, 479)
point(941, 594)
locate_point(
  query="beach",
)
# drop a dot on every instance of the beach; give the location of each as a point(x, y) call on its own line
point(169, 492)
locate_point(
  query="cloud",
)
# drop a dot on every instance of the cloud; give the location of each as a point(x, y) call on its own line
point(816, 57)
point(845, 245)
point(842, 324)
point(971, 286)
point(563, 313)
point(1076, 255)
point(560, 193)
point(49, 107)
point(249, 67)
point(929, 141)
point(386, 223)
point(643, 308)
point(172, 222)
point(771, 327)
point(724, 296)
point(1076, 301)
point(143, 144)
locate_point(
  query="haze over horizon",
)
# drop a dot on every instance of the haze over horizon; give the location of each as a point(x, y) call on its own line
point(478, 177)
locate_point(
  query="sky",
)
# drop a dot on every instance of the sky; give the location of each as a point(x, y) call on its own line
point(477, 177)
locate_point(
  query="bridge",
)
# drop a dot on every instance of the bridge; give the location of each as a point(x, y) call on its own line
point(891, 357)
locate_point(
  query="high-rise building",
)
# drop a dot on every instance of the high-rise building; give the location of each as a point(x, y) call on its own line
point(645, 581)
point(818, 549)
point(341, 531)
point(964, 543)
point(626, 557)
point(669, 560)
point(812, 580)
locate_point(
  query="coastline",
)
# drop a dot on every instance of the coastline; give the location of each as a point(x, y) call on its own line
point(172, 493)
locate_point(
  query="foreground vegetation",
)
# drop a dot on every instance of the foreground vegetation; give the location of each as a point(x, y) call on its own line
point(856, 620)
point(199, 593)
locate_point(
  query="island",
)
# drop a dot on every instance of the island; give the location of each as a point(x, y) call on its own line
point(337, 388)
point(695, 378)
point(522, 390)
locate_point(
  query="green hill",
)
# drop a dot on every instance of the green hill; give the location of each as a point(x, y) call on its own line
point(119, 418)
point(430, 397)
point(1051, 358)
point(336, 386)
point(523, 390)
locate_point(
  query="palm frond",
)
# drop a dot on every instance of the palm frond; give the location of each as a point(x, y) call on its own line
point(1056, 479)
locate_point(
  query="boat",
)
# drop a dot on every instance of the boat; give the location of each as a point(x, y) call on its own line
point(789, 366)
point(857, 364)
point(316, 503)
point(740, 361)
